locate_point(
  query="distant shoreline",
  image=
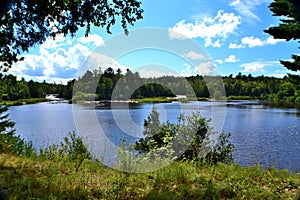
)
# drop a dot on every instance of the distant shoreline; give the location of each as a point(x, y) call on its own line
point(282, 104)
point(23, 101)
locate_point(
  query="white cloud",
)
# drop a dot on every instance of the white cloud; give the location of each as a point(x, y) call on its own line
point(208, 42)
point(258, 66)
point(97, 60)
point(148, 73)
point(231, 59)
point(209, 28)
point(54, 63)
point(247, 8)
point(207, 68)
point(235, 2)
point(254, 42)
point(272, 41)
point(51, 43)
point(188, 71)
point(93, 38)
point(234, 46)
point(194, 55)
point(219, 61)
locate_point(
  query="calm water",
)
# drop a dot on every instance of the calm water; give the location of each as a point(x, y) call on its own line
point(261, 134)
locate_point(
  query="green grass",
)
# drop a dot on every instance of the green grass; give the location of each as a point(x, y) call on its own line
point(155, 100)
point(23, 101)
point(41, 178)
point(240, 98)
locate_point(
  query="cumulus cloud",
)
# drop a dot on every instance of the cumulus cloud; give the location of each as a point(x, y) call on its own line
point(60, 59)
point(209, 42)
point(206, 68)
point(254, 42)
point(93, 38)
point(188, 70)
point(209, 28)
point(57, 61)
point(219, 61)
point(194, 55)
point(59, 41)
point(231, 59)
point(247, 8)
point(97, 60)
point(258, 66)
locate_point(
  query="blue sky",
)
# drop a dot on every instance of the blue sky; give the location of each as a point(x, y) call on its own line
point(228, 32)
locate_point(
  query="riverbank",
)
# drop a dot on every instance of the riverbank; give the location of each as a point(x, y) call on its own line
point(23, 101)
point(57, 178)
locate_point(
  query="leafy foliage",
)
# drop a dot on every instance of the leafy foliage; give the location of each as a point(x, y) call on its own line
point(25, 23)
point(72, 148)
point(289, 28)
point(192, 134)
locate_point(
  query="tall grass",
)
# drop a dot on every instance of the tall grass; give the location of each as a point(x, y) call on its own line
point(41, 178)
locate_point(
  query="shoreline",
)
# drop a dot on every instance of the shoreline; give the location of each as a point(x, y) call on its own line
point(24, 101)
point(276, 103)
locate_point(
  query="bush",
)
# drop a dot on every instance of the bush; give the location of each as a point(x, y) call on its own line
point(192, 135)
point(72, 148)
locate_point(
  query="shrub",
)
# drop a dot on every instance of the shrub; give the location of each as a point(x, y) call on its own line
point(72, 148)
point(192, 134)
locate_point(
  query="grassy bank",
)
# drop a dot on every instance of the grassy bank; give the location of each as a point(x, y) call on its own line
point(229, 98)
point(154, 100)
point(23, 101)
point(38, 178)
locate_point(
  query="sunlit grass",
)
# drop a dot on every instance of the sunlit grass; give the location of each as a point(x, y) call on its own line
point(23, 101)
point(155, 100)
point(36, 177)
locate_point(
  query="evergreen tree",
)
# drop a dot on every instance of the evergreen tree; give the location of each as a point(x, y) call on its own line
point(6, 126)
point(289, 28)
point(9, 142)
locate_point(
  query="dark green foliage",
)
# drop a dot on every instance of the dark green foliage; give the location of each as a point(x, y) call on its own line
point(191, 133)
point(222, 151)
point(98, 85)
point(28, 23)
point(9, 142)
point(288, 28)
point(75, 147)
point(123, 87)
point(263, 88)
point(6, 126)
point(2, 196)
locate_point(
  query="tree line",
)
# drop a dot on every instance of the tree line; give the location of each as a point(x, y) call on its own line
point(12, 89)
point(125, 86)
point(110, 84)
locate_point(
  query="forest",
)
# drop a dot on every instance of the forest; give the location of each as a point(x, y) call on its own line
point(101, 85)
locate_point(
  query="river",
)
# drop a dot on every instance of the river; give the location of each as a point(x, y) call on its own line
point(261, 134)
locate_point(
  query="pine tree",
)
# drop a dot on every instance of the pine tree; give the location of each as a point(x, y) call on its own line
point(289, 28)
point(6, 125)
point(7, 139)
